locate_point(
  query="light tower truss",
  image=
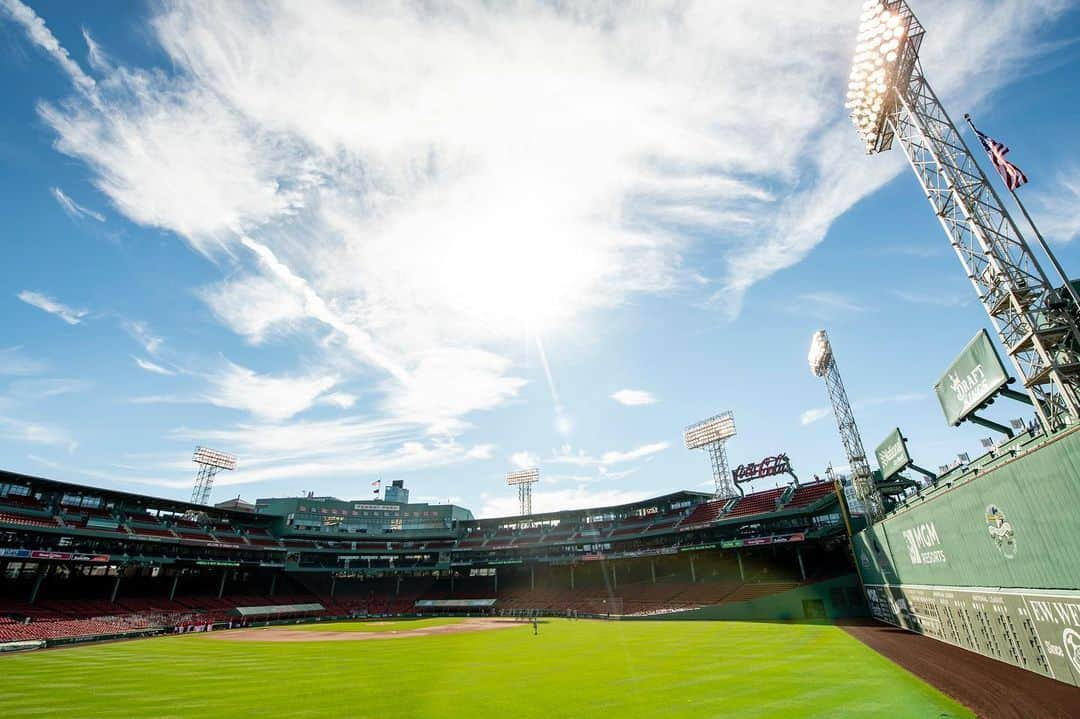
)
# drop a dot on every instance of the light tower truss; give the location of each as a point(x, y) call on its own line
point(524, 480)
point(823, 364)
point(712, 435)
point(890, 98)
point(209, 462)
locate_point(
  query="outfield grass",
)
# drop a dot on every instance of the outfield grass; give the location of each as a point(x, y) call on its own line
point(578, 669)
point(373, 625)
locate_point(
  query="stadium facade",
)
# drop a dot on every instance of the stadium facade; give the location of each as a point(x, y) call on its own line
point(81, 561)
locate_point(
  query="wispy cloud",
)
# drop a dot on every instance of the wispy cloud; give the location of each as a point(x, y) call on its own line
point(141, 333)
point(823, 305)
point(13, 361)
point(813, 415)
point(39, 389)
point(151, 366)
point(74, 209)
point(14, 429)
point(54, 307)
point(633, 397)
point(265, 396)
point(341, 400)
point(1057, 210)
point(566, 455)
point(933, 298)
point(39, 34)
point(560, 499)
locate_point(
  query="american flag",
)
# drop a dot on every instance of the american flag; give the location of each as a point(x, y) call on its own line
point(1009, 172)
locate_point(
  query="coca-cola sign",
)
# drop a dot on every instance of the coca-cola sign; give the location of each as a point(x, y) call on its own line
point(768, 467)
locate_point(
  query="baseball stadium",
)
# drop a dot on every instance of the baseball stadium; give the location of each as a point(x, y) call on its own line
point(873, 588)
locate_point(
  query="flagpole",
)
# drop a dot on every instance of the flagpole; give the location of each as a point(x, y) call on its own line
point(1038, 235)
point(1046, 248)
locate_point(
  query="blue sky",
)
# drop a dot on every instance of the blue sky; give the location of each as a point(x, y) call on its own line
point(340, 242)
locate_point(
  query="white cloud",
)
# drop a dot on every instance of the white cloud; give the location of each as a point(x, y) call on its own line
point(39, 34)
point(265, 396)
point(633, 397)
point(566, 455)
point(19, 430)
point(813, 415)
point(74, 209)
point(341, 400)
point(823, 305)
point(446, 384)
point(151, 366)
point(413, 188)
point(1057, 210)
point(13, 361)
point(934, 298)
point(579, 497)
point(39, 389)
point(141, 333)
point(54, 307)
point(524, 459)
point(641, 452)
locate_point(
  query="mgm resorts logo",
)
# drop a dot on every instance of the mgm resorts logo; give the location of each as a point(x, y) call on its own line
point(923, 544)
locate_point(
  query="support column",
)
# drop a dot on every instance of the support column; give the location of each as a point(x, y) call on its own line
point(452, 574)
point(172, 589)
point(115, 589)
point(738, 555)
point(614, 578)
point(496, 575)
point(221, 586)
point(693, 574)
point(532, 577)
point(273, 584)
point(652, 570)
point(397, 587)
point(571, 576)
point(333, 584)
point(802, 567)
point(42, 572)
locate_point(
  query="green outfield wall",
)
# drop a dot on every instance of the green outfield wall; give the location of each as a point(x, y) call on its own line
point(990, 561)
point(838, 598)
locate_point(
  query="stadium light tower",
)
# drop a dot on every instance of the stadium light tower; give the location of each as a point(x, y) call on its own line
point(524, 480)
point(712, 435)
point(890, 98)
point(823, 364)
point(210, 462)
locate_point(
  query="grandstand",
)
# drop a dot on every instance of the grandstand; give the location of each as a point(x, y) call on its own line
point(80, 561)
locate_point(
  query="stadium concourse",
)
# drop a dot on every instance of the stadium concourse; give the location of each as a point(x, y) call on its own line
point(83, 562)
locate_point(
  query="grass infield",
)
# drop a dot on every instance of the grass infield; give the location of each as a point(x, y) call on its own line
point(580, 669)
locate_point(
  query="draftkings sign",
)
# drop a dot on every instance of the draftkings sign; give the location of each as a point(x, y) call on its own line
point(768, 467)
point(971, 380)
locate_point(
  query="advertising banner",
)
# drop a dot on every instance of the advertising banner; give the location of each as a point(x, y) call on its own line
point(972, 378)
point(892, 454)
point(768, 467)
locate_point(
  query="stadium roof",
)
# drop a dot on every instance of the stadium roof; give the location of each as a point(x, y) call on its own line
point(680, 496)
point(128, 498)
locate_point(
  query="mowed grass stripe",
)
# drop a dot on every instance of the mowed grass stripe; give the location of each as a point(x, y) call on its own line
point(581, 669)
